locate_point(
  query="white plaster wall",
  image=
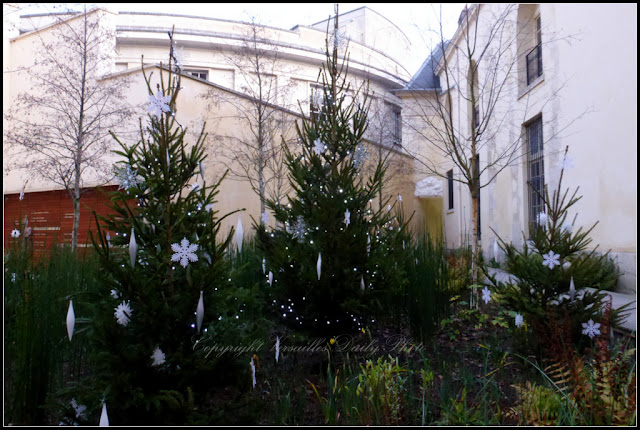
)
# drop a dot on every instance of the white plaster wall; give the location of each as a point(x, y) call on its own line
point(587, 98)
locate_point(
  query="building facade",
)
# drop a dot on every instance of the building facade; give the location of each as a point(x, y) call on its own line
point(540, 81)
point(219, 85)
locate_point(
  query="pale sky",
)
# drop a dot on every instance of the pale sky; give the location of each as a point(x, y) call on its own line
point(414, 19)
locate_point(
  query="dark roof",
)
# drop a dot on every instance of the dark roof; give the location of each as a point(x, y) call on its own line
point(425, 78)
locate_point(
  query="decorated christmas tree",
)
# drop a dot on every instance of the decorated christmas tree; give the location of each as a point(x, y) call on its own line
point(167, 297)
point(330, 259)
point(552, 270)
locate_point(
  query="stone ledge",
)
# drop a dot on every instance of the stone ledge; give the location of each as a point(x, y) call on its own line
point(617, 299)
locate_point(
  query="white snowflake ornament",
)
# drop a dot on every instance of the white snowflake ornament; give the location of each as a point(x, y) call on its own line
point(519, 320)
point(318, 146)
point(184, 252)
point(591, 329)
point(15, 233)
point(158, 104)
point(542, 219)
point(122, 313)
point(486, 295)
point(158, 357)
point(347, 218)
point(551, 259)
point(79, 409)
point(126, 177)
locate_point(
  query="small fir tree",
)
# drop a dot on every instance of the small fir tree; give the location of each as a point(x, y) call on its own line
point(553, 268)
point(331, 260)
point(166, 295)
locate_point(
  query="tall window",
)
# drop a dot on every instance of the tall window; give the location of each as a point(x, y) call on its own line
point(396, 118)
point(450, 187)
point(535, 168)
point(534, 57)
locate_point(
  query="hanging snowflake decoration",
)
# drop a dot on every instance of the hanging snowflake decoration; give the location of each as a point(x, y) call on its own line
point(126, 177)
point(486, 295)
point(319, 147)
point(519, 320)
point(347, 218)
point(551, 260)
point(339, 40)
point(360, 156)
point(79, 409)
point(566, 227)
point(122, 313)
point(158, 104)
point(184, 252)
point(15, 233)
point(158, 357)
point(179, 57)
point(591, 329)
point(299, 229)
point(542, 219)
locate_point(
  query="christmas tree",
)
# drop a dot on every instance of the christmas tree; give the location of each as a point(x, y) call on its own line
point(166, 293)
point(330, 261)
point(554, 267)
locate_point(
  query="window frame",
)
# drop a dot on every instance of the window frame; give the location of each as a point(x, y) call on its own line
point(450, 189)
point(197, 72)
point(535, 169)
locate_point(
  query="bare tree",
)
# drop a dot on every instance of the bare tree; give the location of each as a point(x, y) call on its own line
point(59, 129)
point(481, 65)
point(254, 150)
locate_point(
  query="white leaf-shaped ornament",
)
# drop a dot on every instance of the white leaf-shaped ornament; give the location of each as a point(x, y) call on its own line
point(201, 170)
point(270, 278)
point(572, 290)
point(362, 283)
point(319, 265)
point(133, 248)
point(200, 312)
point(496, 249)
point(71, 320)
point(264, 266)
point(168, 161)
point(277, 347)
point(104, 418)
point(239, 234)
point(368, 243)
point(253, 372)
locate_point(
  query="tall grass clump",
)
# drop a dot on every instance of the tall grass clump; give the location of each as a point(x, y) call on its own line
point(38, 355)
point(429, 287)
